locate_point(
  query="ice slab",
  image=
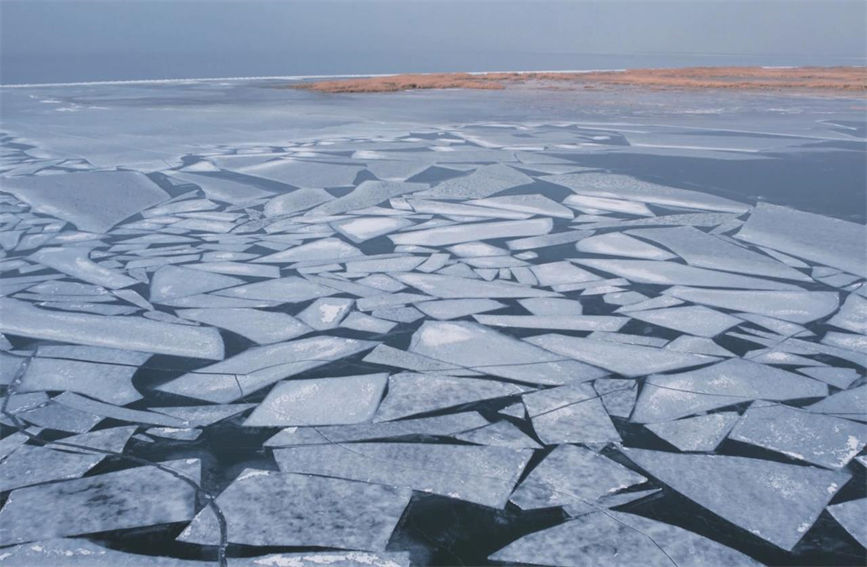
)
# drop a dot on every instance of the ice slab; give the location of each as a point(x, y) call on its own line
point(532, 204)
point(617, 539)
point(625, 187)
point(669, 396)
point(823, 440)
point(364, 228)
point(569, 414)
point(92, 201)
point(774, 501)
point(390, 356)
point(201, 416)
point(441, 425)
point(221, 188)
point(471, 232)
point(284, 290)
point(619, 244)
point(618, 395)
point(499, 434)
point(795, 306)
point(445, 286)
point(238, 269)
point(172, 282)
point(848, 403)
point(838, 377)
point(320, 401)
point(692, 319)
point(411, 393)
point(557, 273)
point(322, 251)
point(367, 194)
point(258, 367)
point(455, 308)
point(852, 315)
point(29, 465)
point(269, 508)
point(80, 403)
point(825, 240)
point(483, 182)
point(703, 433)
point(137, 497)
point(102, 380)
point(572, 475)
point(706, 251)
point(670, 273)
point(113, 439)
point(624, 359)
point(263, 327)
point(605, 204)
point(304, 173)
point(852, 515)
point(474, 346)
point(559, 322)
point(75, 261)
point(296, 201)
point(483, 475)
point(132, 333)
point(450, 209)
point(363, 322)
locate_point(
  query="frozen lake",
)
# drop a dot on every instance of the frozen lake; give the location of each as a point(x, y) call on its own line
point(250, 324)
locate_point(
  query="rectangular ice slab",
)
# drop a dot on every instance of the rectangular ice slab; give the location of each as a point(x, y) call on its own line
point(320, 401)
point(471, 232)
point(75, 261)
point(92, 201)
point(269, 508)
point(132, 333)
point(263, 327)
point(439, 285)
point(137, 497)
point(484, 475)
point(258, 367)
point(825, 240)
point(795, 306)
point(774, 501)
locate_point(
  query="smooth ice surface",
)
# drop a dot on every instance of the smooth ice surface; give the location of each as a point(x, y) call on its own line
point(258, 367)
point(572, 475)
point(499, 434)
point(620, 358)
point(795, 306)
point(410, 393)
point(104, 381)
point(692, 319)
point(75, 261)
point(821, 239)
point(29, 465)
point(560, 322)
point(270, 508)
point(621, 540)
point(569, 414)
point(475, 346)
point(702, 433)
point(367, 194)
point(92, 201)
point(263, 327)
point(453, 287)
point(852, 515)
point(326, 313)
point(137, 497)
point(364, 228)
point(483, 182)
point(774, 501)
point(135, 333)
point(484, 475)
point(619, 244)
point(320, 401)
point(827, 441)
point(852, 315)
point(171, 282)
point(470, 232)
point(670, 396)
point(455, 308)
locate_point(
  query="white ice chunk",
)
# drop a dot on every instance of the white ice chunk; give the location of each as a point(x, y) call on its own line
point(296, 201)
point(774, 501)
point(475, 346)
point(238, 269)
point(470, 232)
point(270, 508)
point(92, 201)
point(326, 313)
point(261, 366)
point(439, 285)
point(133, 333)
point(363, 322)
point(137, 497)
point(692, 319)
point(320, 401)
point(411, 393)
point(619, 244)
point(669, 396)
point(569, 414)
point(323, 251)
point(201, 416)
point(500, 434)
point(172, 282)
point(821, 239)
point(848, 403)
point(532, 204)
point(703, 433)
point(367, 194)
point(558, 322)
point(29, 465)
point(483, 475)
point(670, 273)
point(221, 188)
point(822, 440)
point(624, 359)
point(852, 515)
point(263, 327)
point(75, 261)
point(557, 273)
point(796, 306)
point(284, 290)
point(364, 228)
point(304, 173)
point(483, 182)
point(607, 204)
point(455, 308)
point(852, 315)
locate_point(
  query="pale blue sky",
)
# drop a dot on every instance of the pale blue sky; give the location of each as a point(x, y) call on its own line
point(82, 40)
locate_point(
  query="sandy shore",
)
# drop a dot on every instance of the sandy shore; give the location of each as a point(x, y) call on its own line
point(847, 79)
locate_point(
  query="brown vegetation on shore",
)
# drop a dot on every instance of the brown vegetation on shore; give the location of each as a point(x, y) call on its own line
point(849, 79)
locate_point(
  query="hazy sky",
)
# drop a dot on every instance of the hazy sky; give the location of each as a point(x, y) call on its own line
point(81, 40)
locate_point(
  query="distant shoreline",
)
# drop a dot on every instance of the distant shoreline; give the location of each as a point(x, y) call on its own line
point(851, 80)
